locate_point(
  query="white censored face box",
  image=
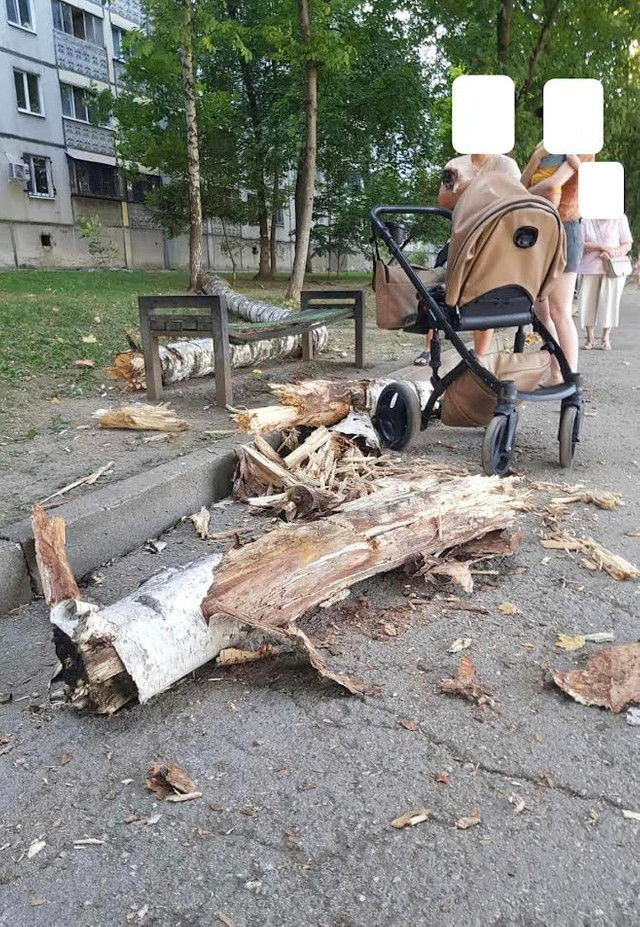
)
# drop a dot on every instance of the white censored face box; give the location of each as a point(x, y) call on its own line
point(483, 114)
point(573, 116)
point(601, 190)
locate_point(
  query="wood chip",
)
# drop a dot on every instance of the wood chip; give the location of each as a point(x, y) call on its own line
point(410, 818)
point(408, 724)
point(631, 815)
point(224, 919)
point(188, 796)
point(88, 842)
point(466, 823)
point(35, 847)
point(165, 778)
point(442, 777)
point(461, 643)
point(140, 416)
point(463, 684)
point(83, 481)
point(610, 678)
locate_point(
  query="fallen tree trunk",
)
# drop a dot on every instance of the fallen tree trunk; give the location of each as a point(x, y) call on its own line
point(184, 360)
point(318, 402)
point(276, 579)
point(137, 647)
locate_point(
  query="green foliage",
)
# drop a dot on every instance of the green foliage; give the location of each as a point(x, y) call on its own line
point(90, 229)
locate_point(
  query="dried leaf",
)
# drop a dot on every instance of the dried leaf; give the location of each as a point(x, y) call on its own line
point(508, 608)
point(165, 778)
point(461, 643)
point(37, 902)
point(610, 678)
point(568, 643)
point(466, 823)
point(410, 818)
point(65, 758)
point(248, 811)
point(442, 778)
point(463, 684)
point(407, 724)
point(216, 806)
point(35, 847)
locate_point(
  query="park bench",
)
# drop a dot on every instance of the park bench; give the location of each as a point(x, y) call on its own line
point(200, 315)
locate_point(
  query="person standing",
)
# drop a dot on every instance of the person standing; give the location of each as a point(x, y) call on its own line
point(561, 189)
point(458, 173)
point(600, 293)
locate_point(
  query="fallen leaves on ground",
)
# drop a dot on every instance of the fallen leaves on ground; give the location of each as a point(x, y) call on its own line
point(569, 643)
point(610, 678)
point(410, 818)
point(168, 778)
point(37, 902)
point(518, 802)
point(463, 684)
point(442, 778)
point(461, 643)
point(508, 608)
point(407, 724)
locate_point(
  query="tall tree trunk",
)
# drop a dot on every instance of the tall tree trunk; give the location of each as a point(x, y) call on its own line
point(193, 158)
point(264, 264)
point(505, 19)
point(551, 8)
point(308, 162)
point(273, 238)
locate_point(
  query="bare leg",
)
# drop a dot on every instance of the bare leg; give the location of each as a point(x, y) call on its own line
point(560, 308)
point(590, 337)
point(482, 341)
point(541, 309)
point(421, 359)
point(606, 344)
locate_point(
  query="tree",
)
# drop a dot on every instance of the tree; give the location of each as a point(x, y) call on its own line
point(307, 168)
point(185, 50)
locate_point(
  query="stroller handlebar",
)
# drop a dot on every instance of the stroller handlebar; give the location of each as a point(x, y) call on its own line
point(406, 210)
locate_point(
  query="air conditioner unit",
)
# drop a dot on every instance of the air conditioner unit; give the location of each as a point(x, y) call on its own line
point(19, 171)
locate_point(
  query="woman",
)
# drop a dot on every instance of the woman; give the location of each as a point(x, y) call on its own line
point(561, 189)
point(600, 294)
point(456, 177)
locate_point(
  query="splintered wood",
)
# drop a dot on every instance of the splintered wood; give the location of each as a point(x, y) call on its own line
point(598, 557)
point(273, 581)
point(314, 402)
point(140, 417)
point(321, 474)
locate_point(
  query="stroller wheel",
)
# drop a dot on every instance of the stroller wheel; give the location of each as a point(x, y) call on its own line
point(497, 449)
point(569, 434)
point(398, 415)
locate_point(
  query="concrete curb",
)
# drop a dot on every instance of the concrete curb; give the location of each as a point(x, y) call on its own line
point(112, 521)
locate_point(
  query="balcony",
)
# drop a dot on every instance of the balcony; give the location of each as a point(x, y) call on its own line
point(86, 137)
point(81, 57)
point(129, 9)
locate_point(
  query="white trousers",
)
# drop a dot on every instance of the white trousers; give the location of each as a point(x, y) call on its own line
point(599, 300)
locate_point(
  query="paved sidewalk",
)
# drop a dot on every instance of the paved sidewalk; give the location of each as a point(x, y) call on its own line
point(324, 773)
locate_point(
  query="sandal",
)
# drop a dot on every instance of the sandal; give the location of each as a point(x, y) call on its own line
point(587, 346)
point(423, 359)
point(606, 345)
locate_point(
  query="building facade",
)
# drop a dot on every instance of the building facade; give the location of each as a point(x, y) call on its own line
point(58, 164)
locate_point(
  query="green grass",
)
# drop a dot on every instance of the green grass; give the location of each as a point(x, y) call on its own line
point(45, 314)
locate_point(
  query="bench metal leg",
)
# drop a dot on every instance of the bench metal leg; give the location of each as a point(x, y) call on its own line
point(151, 354)
point(222, 354)
point(307, 345)
point(360, 328)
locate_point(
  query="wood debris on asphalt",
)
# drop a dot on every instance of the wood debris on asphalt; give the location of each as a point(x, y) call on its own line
point(609, 679)
point(410, 818)
point(598, 557)
point(83, 481)
point(167, 779)
point(141, 416)
point(463, 684)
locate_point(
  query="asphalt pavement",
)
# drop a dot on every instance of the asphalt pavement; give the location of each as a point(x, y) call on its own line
point(300, 781)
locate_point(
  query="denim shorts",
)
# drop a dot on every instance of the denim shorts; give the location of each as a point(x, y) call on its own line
point(575, 246)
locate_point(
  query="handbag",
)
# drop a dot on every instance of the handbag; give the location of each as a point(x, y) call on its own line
point(613, 266)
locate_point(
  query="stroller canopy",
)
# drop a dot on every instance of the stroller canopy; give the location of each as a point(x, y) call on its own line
point(502, 235)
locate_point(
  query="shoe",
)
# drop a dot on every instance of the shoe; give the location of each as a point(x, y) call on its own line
point(423, 359)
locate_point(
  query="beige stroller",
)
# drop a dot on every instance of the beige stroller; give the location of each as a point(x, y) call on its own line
point(506, 248)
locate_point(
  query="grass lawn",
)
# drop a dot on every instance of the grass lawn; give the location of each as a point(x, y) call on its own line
point(48, 315)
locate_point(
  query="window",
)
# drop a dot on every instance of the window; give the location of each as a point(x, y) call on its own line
point(89, 178)
point(69, 19)
point(280, 217)
point(76, 103)
point(28, 92)
point(142, 185)
point(40, 177)
point(118, 43)
point(19, 13)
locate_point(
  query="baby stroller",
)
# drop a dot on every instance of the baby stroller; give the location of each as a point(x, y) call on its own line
point(506, 248)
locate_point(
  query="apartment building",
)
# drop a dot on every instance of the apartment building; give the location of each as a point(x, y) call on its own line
point(58, 164)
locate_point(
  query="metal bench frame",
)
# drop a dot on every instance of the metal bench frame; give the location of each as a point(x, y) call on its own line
point(159, 320)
